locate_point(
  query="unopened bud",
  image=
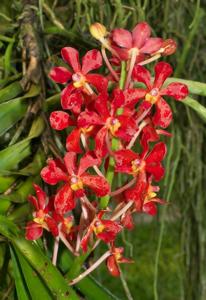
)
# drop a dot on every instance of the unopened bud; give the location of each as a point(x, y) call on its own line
point(168, 47)
point(98, 31)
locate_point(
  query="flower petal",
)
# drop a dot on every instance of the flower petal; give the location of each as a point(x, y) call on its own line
point(71, 99)
point(162, 71)
point(41, 196)
point(98, 81)
point(33, 231)
point(151, 45)
point(88, 118)
point(125, 156)
point(132, 96)
point(73, 141)
point(33, 201)
point(71, 56)
point(127, 129)
point(122, 38)
point(100, 143)
point(141, 74)
point(91, 60)
point(157, 154)
point(52, 173)
point(60, 74)
point(156, 170)
point(112, 266)
point(140, 34)
point(149, 134)
point(98, 184)
point(163, 114)
point(60, 120)
point(85, 240)
point(150, 208)
point(101, 106)
point(70, 162)
point(52, 225)
point(64, 200)
point(86, 162)
point(176, 90)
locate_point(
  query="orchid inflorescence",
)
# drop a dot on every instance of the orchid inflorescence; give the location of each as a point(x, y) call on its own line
point(114, 128)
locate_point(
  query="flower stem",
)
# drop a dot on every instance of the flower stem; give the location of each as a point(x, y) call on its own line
point(131, 67)
point(92, 268)
point(123, 188)
point(66, 243)
point(131, 143)
point(109, 66)
point(122, 211)
point(55, 251)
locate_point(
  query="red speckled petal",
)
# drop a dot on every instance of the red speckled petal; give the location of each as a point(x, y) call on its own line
point(64, 200)
point(98, 184)
point(92, 60)
point(162, 71)
point(33, 201)
point(71, 99)
point(140, 34)
point(151, 45)
point(122, 37)
point(87, 161)
point(60, 120)
point(112, 266)
point(101, 106)
point(132, 96)
point(71, 56)
point(70, 162)
point(52, 225)
point(85, 240)
point(41, 196)
point(125, 156)
point(176, 90)
point(100, 143)
point(88, 118)
point(33, 231)
point(98, 81)
point(156, 170)
point(127, 129)
point(60, 74)
point(163, 114)
point(73, 141)
point(157, 154)
point(141, 74)
point(52, 174)
point(150, 208)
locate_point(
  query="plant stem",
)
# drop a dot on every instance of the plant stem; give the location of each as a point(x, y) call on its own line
point(109, 66)
point(123, 188)
point(55, 251)
point(92, 268)
point(125, 286)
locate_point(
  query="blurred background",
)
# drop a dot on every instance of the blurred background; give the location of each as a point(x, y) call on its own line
point(170, 249)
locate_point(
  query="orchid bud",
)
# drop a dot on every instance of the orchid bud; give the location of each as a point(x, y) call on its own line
point(168, 47)
point(98, 31)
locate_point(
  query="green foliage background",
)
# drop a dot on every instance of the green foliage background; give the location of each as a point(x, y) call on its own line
point(170, 250)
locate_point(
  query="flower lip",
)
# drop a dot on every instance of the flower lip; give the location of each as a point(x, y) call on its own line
point(76, 183)
point(152, 96)
point(113, 124)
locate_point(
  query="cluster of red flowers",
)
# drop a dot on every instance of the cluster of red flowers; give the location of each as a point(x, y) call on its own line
point(112, 129)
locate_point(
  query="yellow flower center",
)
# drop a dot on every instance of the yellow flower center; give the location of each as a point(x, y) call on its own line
point(76, 184)
point(152, 96)
point(39, 217)
point(113, 125)
point(78, 80)
point(87, 129)
point(137, 166)
point(98, 227)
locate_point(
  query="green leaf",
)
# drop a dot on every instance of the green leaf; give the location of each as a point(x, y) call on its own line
point(8, 228)
point(196, 106)
point(11, 91)
point(11, 156)
point(21, 289)
point(10, 113)
point(35, 285)
point(49, 273)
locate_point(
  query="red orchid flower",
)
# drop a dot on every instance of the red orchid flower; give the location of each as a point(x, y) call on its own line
point(109, 121)
point(71, 96)
point(138, 42)
point(154, 92)
point(127, 161)
point(144, 196)
point(150, 134)
point(105, 230)
point(115, 259)
point(42, 219)
point(75, 178)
